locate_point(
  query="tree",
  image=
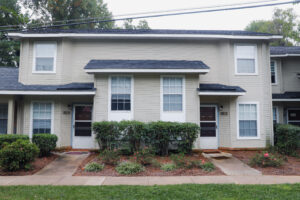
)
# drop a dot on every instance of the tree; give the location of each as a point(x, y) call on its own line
point(10, 15)
point(128, 24)
point(284, 22)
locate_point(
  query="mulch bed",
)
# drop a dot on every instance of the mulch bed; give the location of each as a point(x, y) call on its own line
point(291, 167)
point(37, 165)
point(149, 170)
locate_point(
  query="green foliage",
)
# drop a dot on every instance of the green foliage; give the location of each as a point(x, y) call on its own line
point(286, 139)
point(127, 168)
point(106, 133)
point(266, 159)
point(45, 142)
point(179, 160)
point(144, 156)
point(168, 167)
point(10, 138)
point(195, 164)
point(18, 155)
point(207, 166)
point(110, 157)
point(155, 163)
point(284, 23)
point(128, 24)
point(93, 167)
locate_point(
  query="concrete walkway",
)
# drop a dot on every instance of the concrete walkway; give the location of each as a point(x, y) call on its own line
point(151, 180)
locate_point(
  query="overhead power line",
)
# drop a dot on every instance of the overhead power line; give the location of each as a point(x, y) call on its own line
point(163, 15)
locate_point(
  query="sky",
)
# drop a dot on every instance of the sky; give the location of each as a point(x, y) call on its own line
point(225, 20)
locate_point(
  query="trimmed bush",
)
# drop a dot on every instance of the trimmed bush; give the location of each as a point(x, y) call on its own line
point(93, 167)
point(168, 167)
point(107, 133)
point(110, 157)
point(10, 138)
point(126, 168)
point(45, 142)
point(18, 155)
point(286, 138)
point(266, 159)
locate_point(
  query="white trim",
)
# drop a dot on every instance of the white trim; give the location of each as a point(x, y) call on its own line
point(255, 57)
point(275, 69)
point(97, 35)
point(286, 100)
point(258, 120)
point(284, 55)
point(31, 116)
point(277, 113)
point(118, 115)
point(147, 71)
point(178, 116)
point(48, 92)
point(221, 93)
point(34, 71)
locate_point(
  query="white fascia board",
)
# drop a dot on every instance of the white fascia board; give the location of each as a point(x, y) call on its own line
point(221, 93)
point(198, 71)
point(64, 93)
point(285, 99)
point(283, 55)
point(93, 35)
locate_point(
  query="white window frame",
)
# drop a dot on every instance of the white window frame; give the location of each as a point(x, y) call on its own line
point(31, 116)
point(119, 115)
point(238, 120)
point(175, 116)
point(255, 62)
point(287, 115)
point(275, 69)
point(277, 114)
point(34, 71)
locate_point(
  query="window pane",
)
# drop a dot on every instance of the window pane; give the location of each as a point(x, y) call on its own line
point(248, 120)
point(44, 64)
point(245, 65)
point(207, 113)
point(45, 50)
point(172, 93)
point(244, 51)
point(42, 117)
point(83, 113)
point(83, 129)
point(273, 72)
point(208, 129)
point(3, 118)
point(120, 93)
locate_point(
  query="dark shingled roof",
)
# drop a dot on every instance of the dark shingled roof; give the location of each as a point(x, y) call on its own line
point(287, 95)
point(145, 64)
point(207, 87)
point(9, 81)
point(149, 31)
point(284, 50)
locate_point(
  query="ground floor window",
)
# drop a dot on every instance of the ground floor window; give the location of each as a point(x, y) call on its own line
point(247, 120)
point(3, 118)
point(275, 115)
point(41, 117)
point(294, 116)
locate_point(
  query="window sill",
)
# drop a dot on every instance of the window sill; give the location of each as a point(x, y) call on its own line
point(43, 72)
point(248, 138)
point(246, 74)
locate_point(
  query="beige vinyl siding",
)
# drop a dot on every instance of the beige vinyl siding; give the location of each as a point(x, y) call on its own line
point(290, 68)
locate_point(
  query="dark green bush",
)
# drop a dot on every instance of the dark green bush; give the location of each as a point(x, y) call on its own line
point(286, 138)
point(144, 156)
point(168, 167)
point(45, 142)
point(18, 155)
point(129, 168)
point(179, 160)
point(93, 167)
point(110, 157)
point(107, 133)
point(10, 138)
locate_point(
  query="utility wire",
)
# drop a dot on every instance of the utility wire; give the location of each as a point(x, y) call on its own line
point(163, 15)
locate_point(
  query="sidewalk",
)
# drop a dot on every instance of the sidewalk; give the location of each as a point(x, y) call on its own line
point(151, 180)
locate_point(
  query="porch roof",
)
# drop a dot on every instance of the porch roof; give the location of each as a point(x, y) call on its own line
point(146, 66)
point(287, 96)
point(214, 89)
point(280, 51)
point(9, 84)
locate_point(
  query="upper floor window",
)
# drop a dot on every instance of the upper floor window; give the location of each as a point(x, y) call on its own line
point(172, 93)
point(121, 93)
point(245, 59)
point(44, 57)
point(273, 72)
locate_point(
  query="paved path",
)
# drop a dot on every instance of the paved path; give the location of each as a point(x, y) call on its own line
point(234, 167)
point(65, 165)
point(151, 180)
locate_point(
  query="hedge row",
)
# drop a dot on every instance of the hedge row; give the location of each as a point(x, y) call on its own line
point(161, 136)
point(10, 138)
point(286, 138)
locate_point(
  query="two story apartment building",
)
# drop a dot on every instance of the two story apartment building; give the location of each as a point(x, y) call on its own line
point(285, 78)
point(68, 79)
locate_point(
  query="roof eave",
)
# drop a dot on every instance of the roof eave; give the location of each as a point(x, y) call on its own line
point(62, 93)
point(188, 71)
point(284, 55)
point(286, 99)
point(219, 93)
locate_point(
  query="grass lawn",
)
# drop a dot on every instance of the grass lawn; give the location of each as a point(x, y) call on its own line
point(188, 191)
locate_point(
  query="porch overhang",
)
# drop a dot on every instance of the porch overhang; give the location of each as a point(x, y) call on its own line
point(286, 97)
point(61, 93)
point(146, 66)
point(207, 89)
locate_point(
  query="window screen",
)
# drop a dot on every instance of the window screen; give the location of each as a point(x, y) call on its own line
point(42, 117)
point(172, 93)
point(121, 93)
point(248, 120)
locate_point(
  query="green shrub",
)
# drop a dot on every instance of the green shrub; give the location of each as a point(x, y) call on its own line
point(18, 155)
point(155, 163)
point(179, 160)
point(110, 157)
point(45, 142)
point(129, 168)
point(208, 166)
point(266, 159)
point(168, 167)
point(286, 139)
point(195, 164)
point(10, 138)
point(188, 133)
point(107, 133)
point(144, 156)
point(93, 167)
